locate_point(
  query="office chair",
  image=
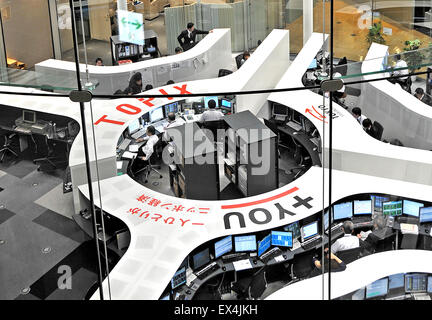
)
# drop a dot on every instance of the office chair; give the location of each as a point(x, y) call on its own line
point(224, 72)
point(350, 255)
point(379, 129)
point(302, 266)
point(7, 147)
point(298, 155)
point(46, 148)
point(238, 60)
point(91, 290)
point(214, 126)
point(409, 241)
point(386, 244)
point(342, 67)
point(258, 284)
point(151, 166)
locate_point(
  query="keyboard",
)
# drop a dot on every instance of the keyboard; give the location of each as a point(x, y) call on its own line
point(311, 243)
point(203, 273)
point(22, 130)
point(234, 257)
point(294, 125)
point(335, 229)
point(266, 257)
point(124, 144)
point(139, 134)
point(361, 219)
point(363, 224)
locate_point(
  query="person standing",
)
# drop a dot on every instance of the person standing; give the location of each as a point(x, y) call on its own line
point(187, 38)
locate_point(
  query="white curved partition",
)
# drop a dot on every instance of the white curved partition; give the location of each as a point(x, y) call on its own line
point(201, 62)
point(358, 274)
point(402, 115)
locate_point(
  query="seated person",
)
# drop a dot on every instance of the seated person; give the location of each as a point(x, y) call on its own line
point(170, 82)
point(99, 62)
point(246, 56)
point(172, 123)
point(370, 130)
point(148, 87)
point(178, 50)
point(357, 114)
point(212, 114)
point(135, 84)
point(146, 151)
point(348, 241)
point(337, 264)
point(380, 231)
point(420, 94)
point(400, 64)
point(340, 94)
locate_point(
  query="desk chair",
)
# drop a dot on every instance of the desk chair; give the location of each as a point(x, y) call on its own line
point(379, 129)
point(7, 147)
point(387, 243)
point(298, 154)
point(46, 148)
point(91, 290)
point(214, 126)
point(151, 166)
point(409, 241)
point(224, 72)
point(302, 266)
point(238, 60)
point(258, 284)
point(350, 255)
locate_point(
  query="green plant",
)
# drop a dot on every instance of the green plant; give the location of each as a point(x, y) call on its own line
point(413, 57)
point(375, 34)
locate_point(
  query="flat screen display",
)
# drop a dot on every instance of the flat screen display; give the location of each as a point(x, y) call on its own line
point(411, 208)
point(362, 207)
point(179, 278)
point(264, 245)
point(282, 239)
point(396, 281)
point(245, 243)
point(377, 288)
point(156, 114)
point(343, 211)
point(223, 246)
point(201, 258)
point(392, 208)
point(309, 230)
point(294, 228)
point(207, 99)
point(134, 126)
point(425, 214)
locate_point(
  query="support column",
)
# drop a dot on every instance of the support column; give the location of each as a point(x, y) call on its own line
point(307, 20)
point(122, 5)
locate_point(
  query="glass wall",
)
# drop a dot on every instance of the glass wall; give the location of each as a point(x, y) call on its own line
point(276, 149)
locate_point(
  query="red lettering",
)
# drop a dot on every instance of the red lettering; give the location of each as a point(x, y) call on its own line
point(165, 93)
point(104, 119)
point(183, 89)
point(125, 108)
point(147, 101)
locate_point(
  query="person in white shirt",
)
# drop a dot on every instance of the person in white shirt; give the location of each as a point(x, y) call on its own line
point(212, 114)
point(357, 114)
point(348, 241)
point(172, 123)
point(146, 151)
point(400, 64)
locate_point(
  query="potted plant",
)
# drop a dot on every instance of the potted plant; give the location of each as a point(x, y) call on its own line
point(413, 58)
point(375, 34)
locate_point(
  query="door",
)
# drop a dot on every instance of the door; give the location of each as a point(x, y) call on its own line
point(100, 26)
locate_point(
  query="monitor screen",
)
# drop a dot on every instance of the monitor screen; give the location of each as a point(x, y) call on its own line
point(294, 228)
point(245, 243)
point(281, 238)
point(223, 246)
point(156, 114)
point(173, 107)
point(378, 201)
point(377, 288)
point(362, 207)
point(415, 282)
point(359, 294)
point(279, 109)
point(226, 103)
point(425, 214)
point(343, 211)
point(179, 278)
point(326, 219)
point(396, 281)
point(201, 258)
point(207, 99)
point(296, 117)
point(392, 208)
point(313, 64)
point(429, 287)
point(134, 126)
point(151, 49)
point(264, 244)
point(29, 116)
point(411, 208)
point(309, 230)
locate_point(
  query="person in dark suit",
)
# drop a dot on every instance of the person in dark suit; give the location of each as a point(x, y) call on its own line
point(420, 94)
point(187, 38)
point(369, 128)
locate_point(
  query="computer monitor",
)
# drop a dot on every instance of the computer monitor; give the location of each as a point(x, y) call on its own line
point(396, 281)
point(415, 282)
point(226, 104)
point(326, 219)
point(223, 246)
point(282, 239)
point(264, 244)
point(245, 243)
point(359, 294)
point(425, 214)
point(201, 258)
point(179, 278)
point(313, 64)
point(343, 211)
point(172, 107)
point(411, 208)
point(294, 228)
point(156, 114)
point(134, 126)
point(296, 117)
point(207, 99)
point(151, 49)
point(309, 230)
point(362, 207)
point(392, 208)
point(29, 116)
point(377, 288)
point(280, 110)
point(378, 201)
point(429, 287)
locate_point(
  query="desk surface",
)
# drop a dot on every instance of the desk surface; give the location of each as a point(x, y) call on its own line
point(358, 274)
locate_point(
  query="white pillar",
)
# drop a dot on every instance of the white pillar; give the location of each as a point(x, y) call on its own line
point(307, 20)
point(122, 5)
